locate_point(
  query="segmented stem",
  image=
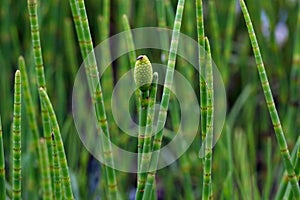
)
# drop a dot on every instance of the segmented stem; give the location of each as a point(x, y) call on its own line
point(56, 171)
point(271, 105)
point(207, 182)
point(46, 176)
point(143, 102)
point(37, 50)
point(2, 167)
point(39, 69)
point(78, 27)
point(30, 111)
point(145, 156)
point(166, 95)
point(65, 177)
point(84, 36)
point(202, 83)
point(16, 165)
point(282, 188)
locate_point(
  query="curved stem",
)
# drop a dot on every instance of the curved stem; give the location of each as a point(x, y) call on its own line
point(65, 176)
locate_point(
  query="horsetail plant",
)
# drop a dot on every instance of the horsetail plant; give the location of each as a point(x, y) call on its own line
point(143, 76)
point(56, 171)
point(83, 34)
point(16, 135)
point(65, 177)
point(46, 176)
point(207, 182)
point(145, 156)
point(271, 105)
point(200, 36)
point(30, 111)
point(40, 75)
point(165, 97)
point(2, 166)
point(35, 35)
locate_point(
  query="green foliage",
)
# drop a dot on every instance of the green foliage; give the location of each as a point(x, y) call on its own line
point(46, 159)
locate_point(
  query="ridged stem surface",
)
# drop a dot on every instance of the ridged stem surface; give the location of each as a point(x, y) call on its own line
point(16, 134)
point(285, 154)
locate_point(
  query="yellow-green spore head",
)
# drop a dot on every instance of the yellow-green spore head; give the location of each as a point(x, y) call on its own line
point(143, 73)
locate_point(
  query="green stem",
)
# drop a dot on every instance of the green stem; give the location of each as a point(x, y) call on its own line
point(145, 156)
point(165, 97)
point(271, 105)
point(207, 181)
point(284, 180)
point(46, 176)
point(2, 167)
point(30, 111)
point(16, 165)
point(65, 177)
point(268, 183)
point(56, 171)
point(83, 34)
point(203, 93)
point(40, 75)
point(142, 123)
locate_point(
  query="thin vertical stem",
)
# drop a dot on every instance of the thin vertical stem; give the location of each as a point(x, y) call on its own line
point(37, 50)
point(46, 176)
point(145, 156)
point(40, 75)
point(2, 166)
point(166, 96)
point(202, 83)
point(30, 111)
point(57, 180)
point(207, 180)
point(84, 36)
point(271, 105)
point(16, 165)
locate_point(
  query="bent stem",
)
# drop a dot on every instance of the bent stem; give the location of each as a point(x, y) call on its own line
point(40, 75)
point(285, 154)
point(65, 176)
